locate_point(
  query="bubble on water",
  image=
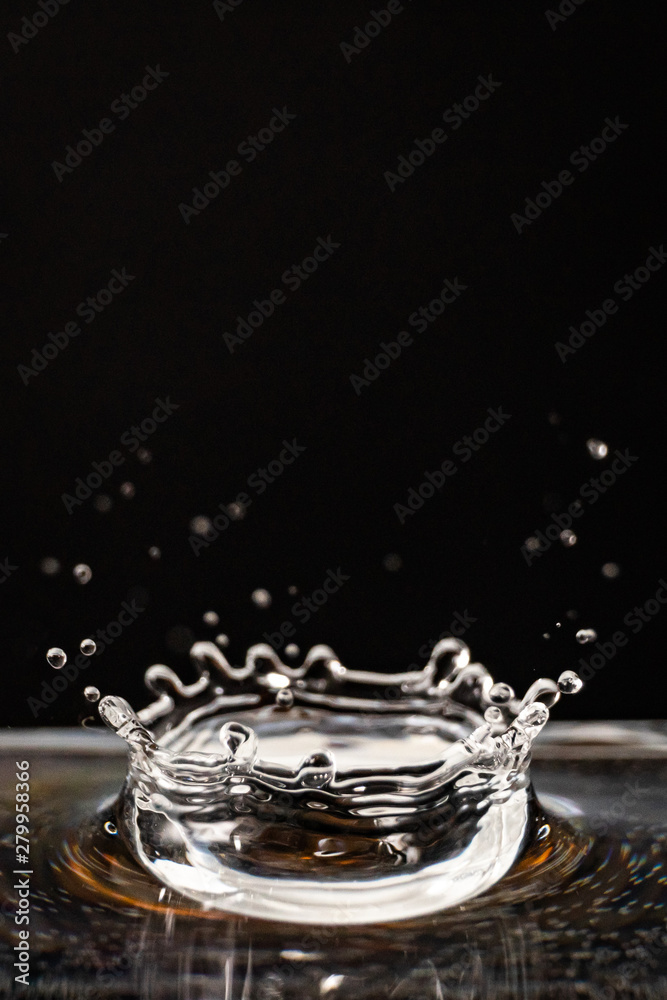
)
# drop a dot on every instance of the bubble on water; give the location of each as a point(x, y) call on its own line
point(292, 590)
point(261, 598)
point(201, 525)
point(154, 552)
point(49, 566)
point(501, 693)
point(87, 647)
point(103, 503)
point(597, 449)
point(570, 682)
point(284, 698)
point(568, 538)
point(145, 456)
point(532, 544)
point(210, 618)
point(127, 490)
point(611, 570)
point(111, 828)
point(82, 573)
point(91, 693)
point(222, 640)
point(392, 562)
point(292, 650)
point(236, 511)
point(585, 635)
point(56, 657)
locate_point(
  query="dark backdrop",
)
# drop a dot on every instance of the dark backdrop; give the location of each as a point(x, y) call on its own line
point(324, 175)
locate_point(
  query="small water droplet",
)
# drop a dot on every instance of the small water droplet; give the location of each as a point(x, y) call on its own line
point(56, 657)
point(201, 525)
point(49, 566)
point(82, 573)
point(611, 570)
point(103, 503)
point(87, 647)
point(585, 635)
point(546, 635)
point(570, 682)
point(532, 544)
point(292, 590)
point(292, 650)
point(597, 449)
point(568, 538)
point(493, 715)
point(91, 693)
point(284, 698)
point(145, 456)
point(501, 693)
point(236, 511)
point(154, 552)
point(127, 490)
point(111, 828)
point(558, 624)
point(392, 562)
point(222, 640)
point(261, 598)
point(210, 618)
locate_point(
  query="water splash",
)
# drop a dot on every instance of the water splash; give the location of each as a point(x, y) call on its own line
point(237, 779)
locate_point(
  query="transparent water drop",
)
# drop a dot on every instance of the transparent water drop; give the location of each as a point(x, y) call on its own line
point(111, 828)
point(501, 693)
point(91, 693)
point(56, 657)
point(236, 511)
point(103, 503)
point(493, 715)
point(87, 646)
point(49, 566)
point(292, 590)
point(570, 682)
point(532, 543)
point(559, 625)
point(284, 698)
point(145, 456)
point(611, 570)
point(597, 449)
point(568, 538)
point(292, 650)
point(154, 552)
point(585, 635)
point(201, 525)
point(210, 618)
point(261, 598)
point(392, 562)
point(222, 640)
point(127, 490)
point(82, 573)
point(546, 635)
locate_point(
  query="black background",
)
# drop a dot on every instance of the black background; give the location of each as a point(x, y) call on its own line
point(324, 175)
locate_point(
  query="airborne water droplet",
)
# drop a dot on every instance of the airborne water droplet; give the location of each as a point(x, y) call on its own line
point(392, 562)
point(570, 682)
point(56, 657)
point(292, 650)
point(127, 490)
point(222, 640)
point(210, 618)
point(284, 698)
point(91, 693)
point(568, 538)
point(201, 525)
point(585, 635)
point(261, 598)
point(49, 566)
point(82, 573)
point(144, 456)
point(87, 647)
point(611, 570)
point(103, 503)
point(597, 449)
point(501, 693)
point(154, 552)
